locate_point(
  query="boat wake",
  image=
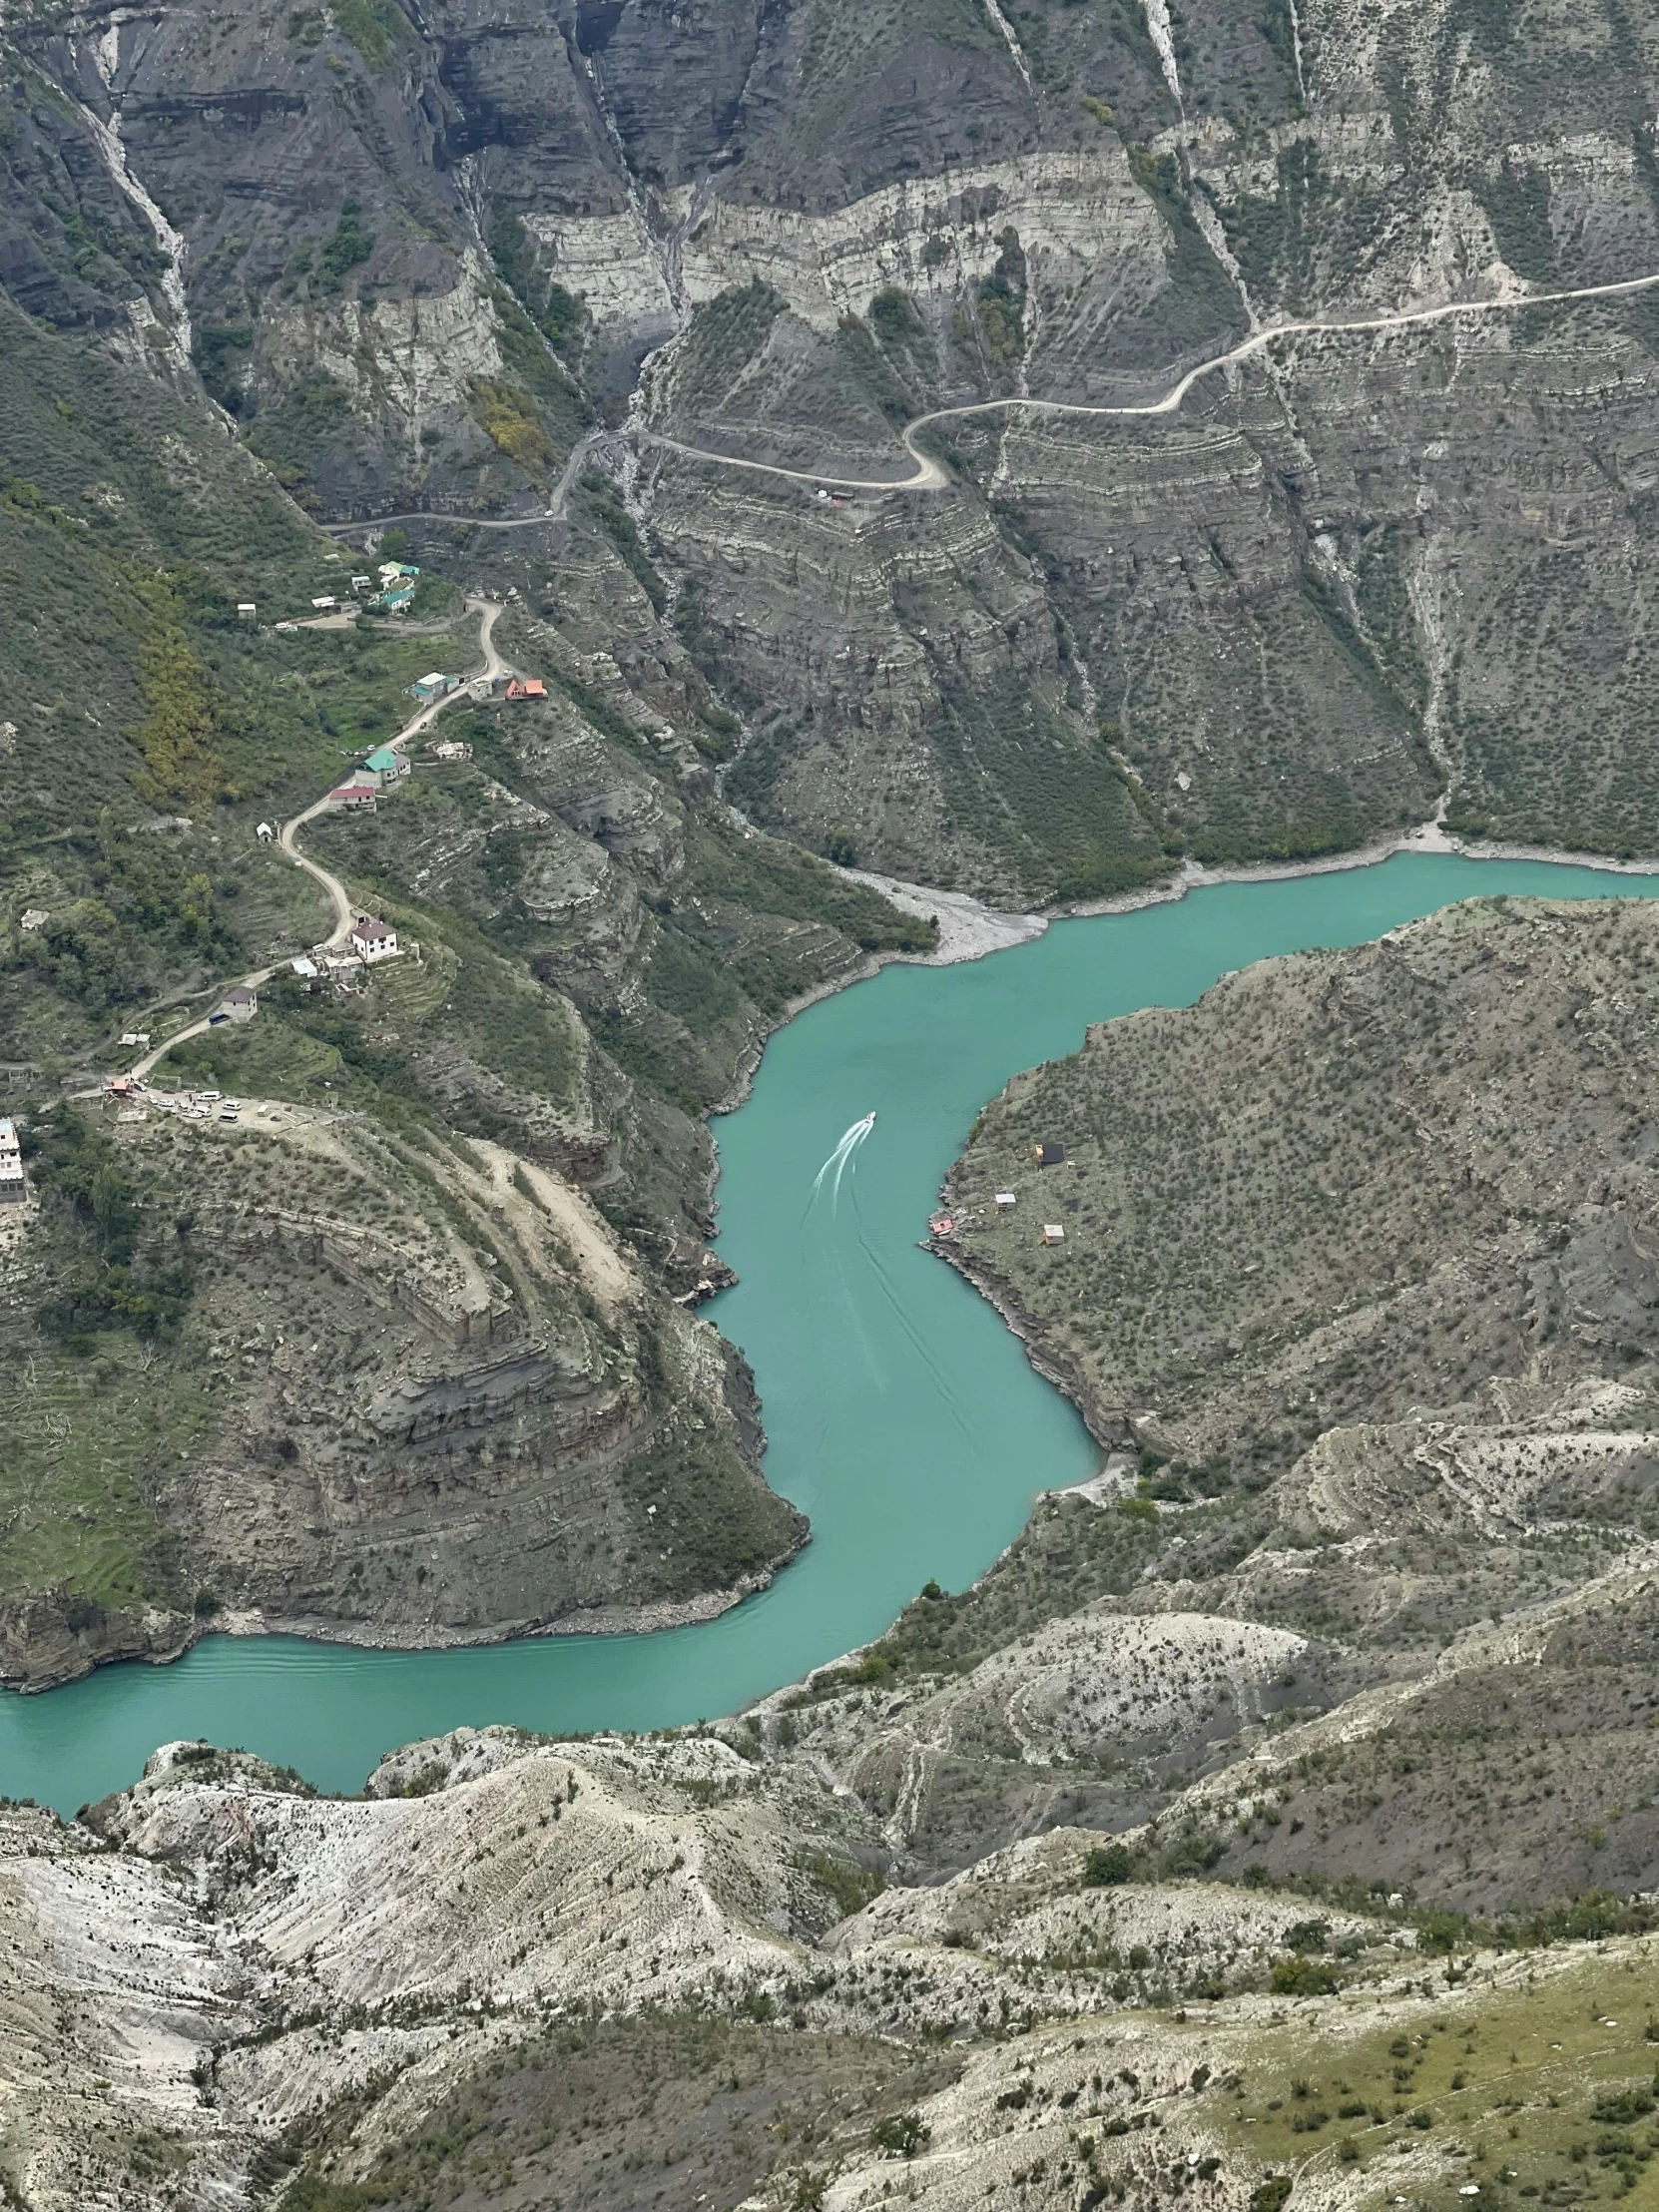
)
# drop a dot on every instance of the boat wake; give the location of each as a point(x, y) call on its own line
point(837, 1165)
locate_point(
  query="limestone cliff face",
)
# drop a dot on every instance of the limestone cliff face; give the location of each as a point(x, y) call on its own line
point(421, 257)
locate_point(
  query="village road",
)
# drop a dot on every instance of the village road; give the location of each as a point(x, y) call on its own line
point(488, 612)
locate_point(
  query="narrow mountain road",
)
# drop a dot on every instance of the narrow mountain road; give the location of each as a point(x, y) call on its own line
point(490, 613)
point(557, 500)
point(930, 476)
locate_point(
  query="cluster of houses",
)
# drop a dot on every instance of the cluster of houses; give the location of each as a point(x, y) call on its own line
point(388, 764)
point(397, 587)
point(385, 766)
point(13, 1186)
point(395, 592)
point(1049, 1154)
point(371, 941)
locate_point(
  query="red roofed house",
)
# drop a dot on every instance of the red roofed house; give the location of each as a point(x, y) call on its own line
point(353, 795)
point(373, 940)
point(526, 687)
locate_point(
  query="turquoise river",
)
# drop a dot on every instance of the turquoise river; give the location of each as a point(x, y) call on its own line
point(900, 1413)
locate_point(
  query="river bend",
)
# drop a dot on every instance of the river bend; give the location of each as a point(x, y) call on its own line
point(900, 1413)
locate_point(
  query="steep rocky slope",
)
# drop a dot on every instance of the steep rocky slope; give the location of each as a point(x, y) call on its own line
point(1353, 1287)
point(406, 1354)
point(406, 1390)
point(1344, 1188)
point(436, 261)
point(516, 1971)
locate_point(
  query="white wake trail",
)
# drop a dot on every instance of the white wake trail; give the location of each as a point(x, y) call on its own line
point(848, 1139)
point(849, 1155)
point(851, 1140)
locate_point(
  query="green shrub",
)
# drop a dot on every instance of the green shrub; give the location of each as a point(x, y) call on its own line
point(901, 2134)
point(348, 249)
point(1300, 1976)
point(850, 1884)
point(373, 27)
point(507, 415)
point(1621, 2106)
point(178, 737)
point(1107, 1866)
point(892, 316)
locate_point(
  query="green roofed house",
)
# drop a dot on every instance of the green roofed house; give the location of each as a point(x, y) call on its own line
point(386, 765)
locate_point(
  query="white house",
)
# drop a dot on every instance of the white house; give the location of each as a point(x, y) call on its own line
point(265, 833)
point(327, 604)
point(1005, 1199)
point(373, 940)
point(246, 609)
point(12, 1185)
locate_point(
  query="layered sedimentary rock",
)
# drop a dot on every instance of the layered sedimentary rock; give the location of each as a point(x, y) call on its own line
point(423, 261)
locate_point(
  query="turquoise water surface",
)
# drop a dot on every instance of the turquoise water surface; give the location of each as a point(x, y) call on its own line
point(900, 1413)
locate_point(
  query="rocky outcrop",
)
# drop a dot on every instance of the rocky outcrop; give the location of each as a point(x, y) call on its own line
point(60, 1635)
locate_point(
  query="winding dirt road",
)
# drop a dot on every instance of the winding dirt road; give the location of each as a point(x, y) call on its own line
point(488, 613)
point(930, 476)
point(552, 512)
